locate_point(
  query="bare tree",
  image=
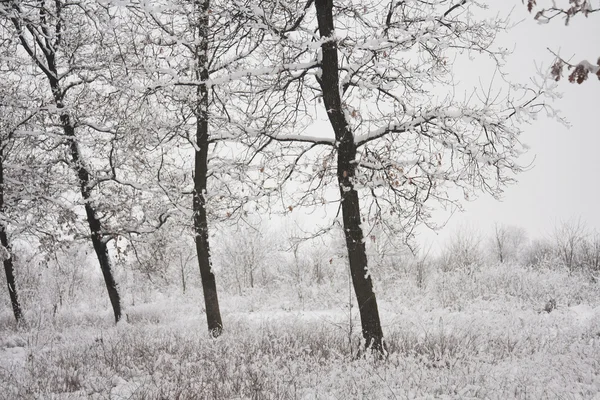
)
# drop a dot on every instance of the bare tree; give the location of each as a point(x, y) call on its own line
point(41, 28)
point(590, 253)
point(7, 131)
point(393, 144)
point(191, 54)
point(507, 241)
point(26, 164)
point(69, 48)
point(463, 250)
point(568, 239)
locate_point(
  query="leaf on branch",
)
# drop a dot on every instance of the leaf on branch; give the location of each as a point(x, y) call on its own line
point(290, 208)
point(579, 74)
point(530, 4)
point(557, 70)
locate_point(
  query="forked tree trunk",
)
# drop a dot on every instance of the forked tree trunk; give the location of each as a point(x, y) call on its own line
point(7, 255)
point(209, 285)
point(361, 280)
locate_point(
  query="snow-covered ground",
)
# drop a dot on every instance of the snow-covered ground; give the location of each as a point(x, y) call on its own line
point(463, 334)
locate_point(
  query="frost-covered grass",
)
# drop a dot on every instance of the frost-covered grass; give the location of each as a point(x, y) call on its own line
point(461, 334)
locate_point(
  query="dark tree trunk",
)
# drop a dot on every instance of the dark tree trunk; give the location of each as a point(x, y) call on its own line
point(209, 285)
point(361, 280)
point(8, 260)
point(77, 163)
point(183, 283)
point(98, 240)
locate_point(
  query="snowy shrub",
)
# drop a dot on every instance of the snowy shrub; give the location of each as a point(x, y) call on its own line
point(540, 253)
point(462, 251)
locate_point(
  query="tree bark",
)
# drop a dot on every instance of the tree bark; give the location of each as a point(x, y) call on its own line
point(361, 280)
point(209, 286)
point(99, 242)
point(8, 260)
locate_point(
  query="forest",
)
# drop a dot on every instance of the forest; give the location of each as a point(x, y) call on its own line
point(223, 199)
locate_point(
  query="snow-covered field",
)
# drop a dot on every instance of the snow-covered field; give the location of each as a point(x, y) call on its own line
point(463, 334)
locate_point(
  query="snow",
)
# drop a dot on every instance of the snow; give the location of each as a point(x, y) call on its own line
point(479, 334)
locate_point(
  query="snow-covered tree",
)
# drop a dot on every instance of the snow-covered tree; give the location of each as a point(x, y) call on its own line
point(190, 55)
point(507, 241)
point(69, 50)
point(401, 136)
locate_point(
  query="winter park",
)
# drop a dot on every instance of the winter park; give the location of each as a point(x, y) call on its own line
point(314, 199)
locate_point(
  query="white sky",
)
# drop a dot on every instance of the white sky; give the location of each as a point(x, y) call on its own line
point(564, 182)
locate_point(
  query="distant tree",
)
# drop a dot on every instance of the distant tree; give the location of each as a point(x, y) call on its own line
point(590, 253)
point(539, 253)
point(582, 69)
point(568, 240)
point(507, 241)
point(463, 250)
point(394, 143)
point(243, 253)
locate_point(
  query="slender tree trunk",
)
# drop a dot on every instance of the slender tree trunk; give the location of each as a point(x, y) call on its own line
point(8, 260)
point(99, 242)
point(183, 283)
point(361, 280)
point(209, 285)
point(51, 71)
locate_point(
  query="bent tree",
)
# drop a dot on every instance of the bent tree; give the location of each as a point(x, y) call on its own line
point(402, 140)
point(66, 52)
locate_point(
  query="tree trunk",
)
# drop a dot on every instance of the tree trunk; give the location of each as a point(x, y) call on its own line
point(7, 255)
point(78, 165)
point(98, 240)
point(209, 286)
point(182, 264)
point(361, 280)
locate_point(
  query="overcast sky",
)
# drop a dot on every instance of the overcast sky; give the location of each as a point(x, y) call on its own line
point(564, 182)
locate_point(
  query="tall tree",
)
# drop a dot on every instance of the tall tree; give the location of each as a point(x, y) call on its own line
point(71, 47)
point(192, 54)
point(27, 156)
point(400, 138)
point(8, 125)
